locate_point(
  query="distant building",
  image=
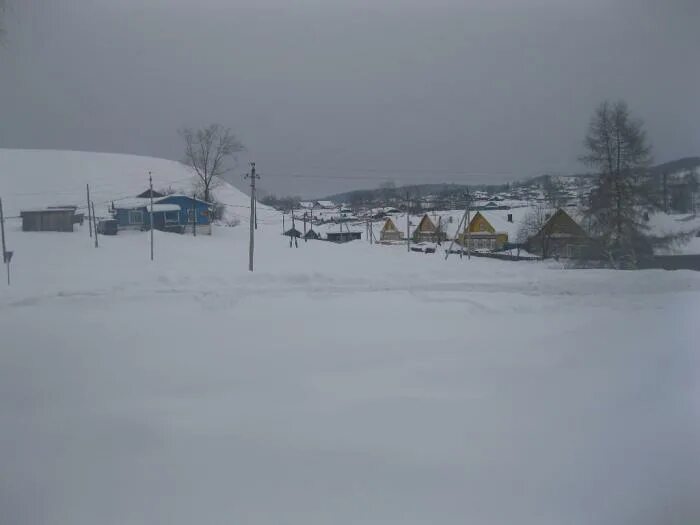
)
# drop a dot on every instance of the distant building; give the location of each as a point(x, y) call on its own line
point(390, 232)
point(326, 205)
point(341, 237)
point(150, 193)
point(561, 236)
point(427, 231)
point(486, 231)
point(312, 235)
point(48, 220)
point(175, 213)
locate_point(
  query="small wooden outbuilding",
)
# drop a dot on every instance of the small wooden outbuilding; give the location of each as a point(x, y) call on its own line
point(48, 220)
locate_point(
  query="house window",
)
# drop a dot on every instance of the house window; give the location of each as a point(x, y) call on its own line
point(172, 217)
point(482, 227)
point(190, 215)
point(492, 244)
point(135, 217)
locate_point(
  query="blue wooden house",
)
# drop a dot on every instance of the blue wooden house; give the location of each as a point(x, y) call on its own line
point(176, 213)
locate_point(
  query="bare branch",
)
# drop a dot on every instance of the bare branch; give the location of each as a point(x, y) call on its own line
point(206, 151)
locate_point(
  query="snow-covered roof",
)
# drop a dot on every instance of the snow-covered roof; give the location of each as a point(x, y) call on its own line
point(164, 207)
point(306, 204)
point(159, 199)
point(499, 221)
point(326, 204)
point(132, 203)
point(138, 203)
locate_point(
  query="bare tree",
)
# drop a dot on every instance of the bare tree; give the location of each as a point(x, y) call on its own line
point(616, 145)
point(206, 152)
point(532, 233)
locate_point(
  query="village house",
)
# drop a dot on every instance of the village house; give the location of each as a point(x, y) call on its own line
point(561, 236)
point(427, 231)
point(489, 231)
point(174, 213)
point(390, 232)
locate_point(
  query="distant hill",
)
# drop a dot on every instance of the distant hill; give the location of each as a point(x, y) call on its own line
point(676, 166)
point(41, 178)
point(421, 190)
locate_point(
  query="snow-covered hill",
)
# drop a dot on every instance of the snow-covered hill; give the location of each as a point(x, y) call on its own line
point(39, 178)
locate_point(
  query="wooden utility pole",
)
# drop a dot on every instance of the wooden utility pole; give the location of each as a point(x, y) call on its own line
point(468, 199)
point(194, 214)
point(466, 221)
point(304, 226)
point(88, 203)
point(408, 224)
point(459, 228)
point(6, 256)
point(94, 224)
point(150, 185)
point(292, 232)
point(251, 248)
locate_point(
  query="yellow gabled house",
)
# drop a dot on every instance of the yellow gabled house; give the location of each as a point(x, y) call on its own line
point(483, 234)
point(389, 231)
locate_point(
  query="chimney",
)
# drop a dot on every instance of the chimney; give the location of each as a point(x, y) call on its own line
point(510, 217)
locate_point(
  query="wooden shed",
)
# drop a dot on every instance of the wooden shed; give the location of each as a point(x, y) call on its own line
point(48, 220)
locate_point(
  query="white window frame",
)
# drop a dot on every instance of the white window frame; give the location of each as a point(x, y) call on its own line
point(189, 215)
point(133, 213)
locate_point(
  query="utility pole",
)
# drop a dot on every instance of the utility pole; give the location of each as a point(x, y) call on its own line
point(194, 215)
point(252, 176)
point(468, 200)
point(94, 224)
point(408, 224)
point(6, 256)
point(88, 203)
point(292, 233)
point(282, 222)
point(304, 226)
point(150, 185)
point(465, 219)
point(255, 208)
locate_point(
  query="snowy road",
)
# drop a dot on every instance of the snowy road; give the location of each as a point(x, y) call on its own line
point(341, 384)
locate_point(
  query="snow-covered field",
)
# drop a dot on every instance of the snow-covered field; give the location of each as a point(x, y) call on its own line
point(340, 384)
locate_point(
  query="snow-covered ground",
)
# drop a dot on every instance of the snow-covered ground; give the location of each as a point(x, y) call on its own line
point(340, 384)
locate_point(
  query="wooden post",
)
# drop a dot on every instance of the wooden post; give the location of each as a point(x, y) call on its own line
point(408, 225)
point(94, 223)
point(89, 214)
point(194, 214)
point(150, 185)
point(251, 243)
point(5, 257)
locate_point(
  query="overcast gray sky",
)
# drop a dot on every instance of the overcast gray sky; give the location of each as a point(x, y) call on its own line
point(331, 95)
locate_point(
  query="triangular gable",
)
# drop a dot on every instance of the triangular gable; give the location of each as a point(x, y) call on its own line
point(389, 226)
point(426, 225)
point(477, 221)
point(562, 222)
